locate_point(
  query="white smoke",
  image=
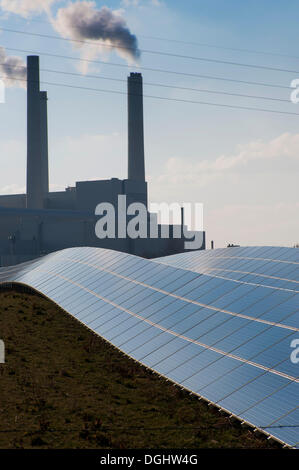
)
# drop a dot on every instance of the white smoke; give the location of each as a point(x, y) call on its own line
point(97, 31)
point(26, 8)
point(12, 70)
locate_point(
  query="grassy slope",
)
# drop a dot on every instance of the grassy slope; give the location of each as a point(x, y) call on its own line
point(62, 387)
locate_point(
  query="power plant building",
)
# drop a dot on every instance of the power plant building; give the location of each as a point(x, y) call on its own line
point(41, 221)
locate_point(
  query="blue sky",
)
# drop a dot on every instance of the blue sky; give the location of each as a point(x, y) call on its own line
point(243, 165)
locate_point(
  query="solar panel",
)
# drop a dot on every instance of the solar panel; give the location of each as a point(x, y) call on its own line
point(268, 266)
point(223, 337)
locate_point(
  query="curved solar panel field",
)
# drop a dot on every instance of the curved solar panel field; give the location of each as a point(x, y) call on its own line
point(220, 323)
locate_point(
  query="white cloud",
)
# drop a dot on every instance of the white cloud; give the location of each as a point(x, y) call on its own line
point(279, 154)
point(12, 189)
point(26, 8)
point(254, 224)
point(56, 187)
point(250, 197)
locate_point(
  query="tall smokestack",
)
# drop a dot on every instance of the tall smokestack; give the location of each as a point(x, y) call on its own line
point(34, 160)
point(135, 128)
point(44, 141)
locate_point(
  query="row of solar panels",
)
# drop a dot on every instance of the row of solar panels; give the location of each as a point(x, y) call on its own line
point(228, 341)
point(268, 266)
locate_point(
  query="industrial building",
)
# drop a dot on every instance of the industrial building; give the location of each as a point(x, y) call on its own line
point(41, 221)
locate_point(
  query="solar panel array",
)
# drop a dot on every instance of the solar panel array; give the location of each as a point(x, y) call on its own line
point(227, 340)
point(269, 266)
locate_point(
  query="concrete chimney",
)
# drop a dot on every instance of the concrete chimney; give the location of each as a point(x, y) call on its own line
point(135, 128)
point(34, 159)
point(44, 141)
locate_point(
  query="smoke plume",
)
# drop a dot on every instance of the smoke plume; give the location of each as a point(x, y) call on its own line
point(12, 70)
point(81, 21)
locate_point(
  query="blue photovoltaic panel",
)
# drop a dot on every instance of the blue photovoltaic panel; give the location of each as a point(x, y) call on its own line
point(268, 266)
point(219, 323)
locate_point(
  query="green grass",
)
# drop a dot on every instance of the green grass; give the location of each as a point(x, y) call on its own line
point(63, 387)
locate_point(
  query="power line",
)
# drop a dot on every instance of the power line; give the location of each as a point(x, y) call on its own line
point(201, 90)
point(179, 100)
point(147, 51)
point(150, 69)
point(215, 46)
point(201, 44)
